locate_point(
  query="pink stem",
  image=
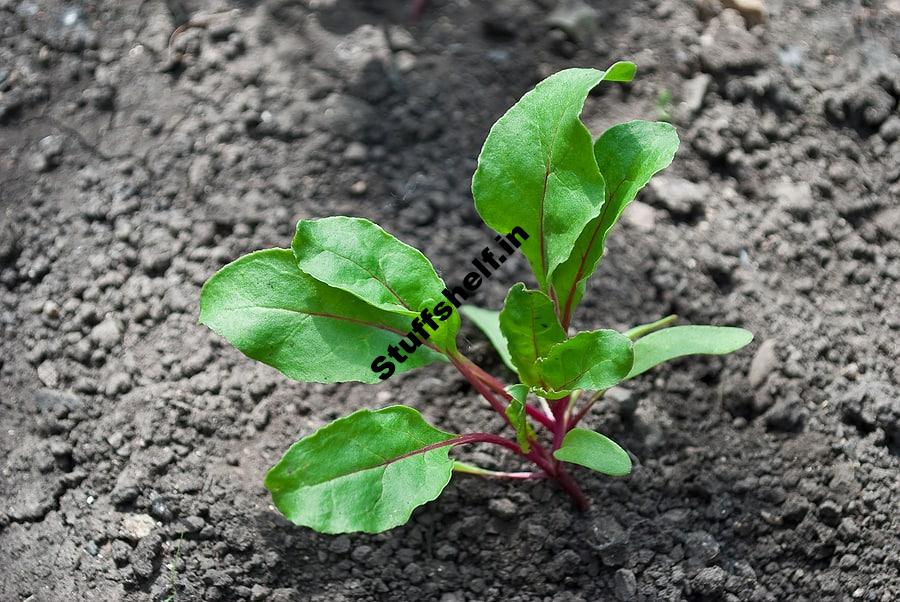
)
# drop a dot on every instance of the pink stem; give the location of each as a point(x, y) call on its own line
point(559, 414)
point(478, 438)
point(465, 368)
point(571, 487)
point(537, 454)
point(498, 388)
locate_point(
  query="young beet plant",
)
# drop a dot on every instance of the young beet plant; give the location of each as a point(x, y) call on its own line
point(347, 290)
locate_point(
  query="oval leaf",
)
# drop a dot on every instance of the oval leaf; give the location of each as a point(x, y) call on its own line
point(595, 451)
point(529, 324)
point(628, 155)
point(594, 360)
point(266, 307)
point(536, 170)
point(365, 472)
point(488, 321)
point(358, 256)
point(664, 345)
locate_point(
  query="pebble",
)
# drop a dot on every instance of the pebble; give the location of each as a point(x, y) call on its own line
point(359, 188)
point(680, 197)
point(611, 541)
point(340, 545)
point(577, 19)
point(356, 152)
point(692, 93)
point(361, 553)
point(503, 508)
point(118, 383)
point(794, 197)
point(137, 526)
point(51, 146)
point(48, 155)
point(753, 11)
point(764, 361)
point(48, 374)
point(107, 333)
point(160, 510)
point(50, 310)
point(190, 524)
point(9, 241)
point(640, 215)
point(786, 416)
point(726, 45)
point(701, 548)
point(405, 61)
point(143, 556)
point(890, 129)
point(709, 581)
point(55, 402)
point(624, 585)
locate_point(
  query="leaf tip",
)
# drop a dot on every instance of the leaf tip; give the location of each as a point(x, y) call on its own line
point(621, 71)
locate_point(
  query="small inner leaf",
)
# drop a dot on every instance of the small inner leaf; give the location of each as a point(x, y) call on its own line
point(365, 472)
point(595, 451)
point(594, 360)
point(488, 321)
point(529, 324)
point(678, 341)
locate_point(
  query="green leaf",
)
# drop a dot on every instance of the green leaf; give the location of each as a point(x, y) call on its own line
point(528, 322)
point(266, 307)
point(365, 472)
point(488, 321)
point(536, 170)
point(515, 411)
point(357, 256)
point(628, 155)
point(595, 451)
point(678, 341)
point(594, 360)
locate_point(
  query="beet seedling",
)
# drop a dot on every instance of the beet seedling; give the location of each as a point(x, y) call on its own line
point(346, 290)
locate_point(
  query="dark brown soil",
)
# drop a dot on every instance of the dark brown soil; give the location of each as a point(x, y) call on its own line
point(134, 441)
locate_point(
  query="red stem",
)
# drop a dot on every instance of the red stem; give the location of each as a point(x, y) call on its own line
point(571, 487)
point(537, 453)
point(498, 388)
point(478, 438)
point(465, 368)
point(559, 415)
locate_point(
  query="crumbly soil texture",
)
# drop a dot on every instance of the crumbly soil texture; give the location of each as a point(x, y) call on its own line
point(145, 144)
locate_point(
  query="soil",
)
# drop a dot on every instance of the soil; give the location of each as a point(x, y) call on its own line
point(145, 144)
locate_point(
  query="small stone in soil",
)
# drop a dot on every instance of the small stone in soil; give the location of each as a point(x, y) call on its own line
point(709, 581)
point(701, 548)
point(763, 363)
point(359, 188)
point(785, 416)
point(107, 333)
point(502, 508)
point(624, 584)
